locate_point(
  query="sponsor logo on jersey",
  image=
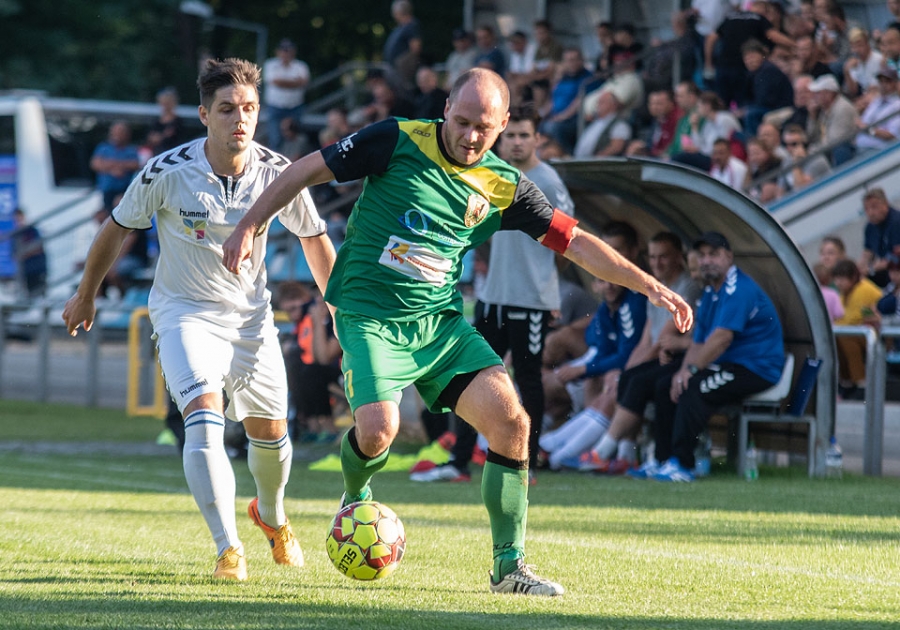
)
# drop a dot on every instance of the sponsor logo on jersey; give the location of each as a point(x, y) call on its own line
point(476, 210)
point(422, 224)
point(193, 214)
point(194, 229)
point(415, 261)
point(346, 144)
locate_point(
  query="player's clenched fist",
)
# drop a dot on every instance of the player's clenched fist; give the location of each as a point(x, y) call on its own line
point(78, 312)
point(237, 248)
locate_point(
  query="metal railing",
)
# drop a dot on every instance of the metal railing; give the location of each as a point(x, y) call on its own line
point(876, 379)
point(823, 150)
point(44, 330)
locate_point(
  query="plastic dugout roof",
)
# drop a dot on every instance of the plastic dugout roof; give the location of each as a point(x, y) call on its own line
point(656, 196)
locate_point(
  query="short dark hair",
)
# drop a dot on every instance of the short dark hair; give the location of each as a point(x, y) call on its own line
point(623, 229)
point(875, 193)
point(845, 269)
point(837, 241)
point(691, 87)
point(223, 73)
point(525, 111)
point(668, 237)
point(754, 45)
point(713, 100)
point(293, 290)
point(795, 129)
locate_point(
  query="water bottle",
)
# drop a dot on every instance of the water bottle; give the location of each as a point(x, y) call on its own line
point(834, 460)
point(702, 462)
point(751, 465)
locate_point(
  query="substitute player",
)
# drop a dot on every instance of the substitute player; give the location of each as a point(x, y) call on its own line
point(432, 192)
point(214, 330)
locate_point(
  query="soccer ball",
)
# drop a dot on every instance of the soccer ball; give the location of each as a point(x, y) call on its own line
point(366, 541)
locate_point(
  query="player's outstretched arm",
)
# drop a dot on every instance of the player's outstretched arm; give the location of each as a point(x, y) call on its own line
point(307, 171)
point(602, 261)
point(80, 309)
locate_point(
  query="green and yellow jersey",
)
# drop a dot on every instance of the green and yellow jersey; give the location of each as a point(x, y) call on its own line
point(418, 214)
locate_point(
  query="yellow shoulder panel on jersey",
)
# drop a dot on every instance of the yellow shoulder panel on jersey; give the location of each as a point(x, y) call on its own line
point(490, 184)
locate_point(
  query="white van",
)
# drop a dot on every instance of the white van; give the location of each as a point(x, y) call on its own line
point(45, 149)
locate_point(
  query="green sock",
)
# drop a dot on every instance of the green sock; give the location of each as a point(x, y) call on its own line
point(504, 490)
point(357, 468)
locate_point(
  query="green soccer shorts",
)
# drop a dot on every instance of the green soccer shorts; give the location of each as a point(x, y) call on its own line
point(381, 358)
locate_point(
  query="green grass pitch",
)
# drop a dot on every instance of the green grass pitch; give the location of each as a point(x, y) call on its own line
point(94, 539)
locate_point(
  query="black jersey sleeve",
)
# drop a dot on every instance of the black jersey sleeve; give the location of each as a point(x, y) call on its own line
point(531, 212)
point(366, 152)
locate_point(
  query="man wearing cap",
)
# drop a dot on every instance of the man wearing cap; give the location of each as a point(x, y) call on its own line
point(284, 81)
point(737, 350)
point(885, 105)
point(836, 118)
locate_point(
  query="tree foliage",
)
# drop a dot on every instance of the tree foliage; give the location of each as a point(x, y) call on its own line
point(129, 49)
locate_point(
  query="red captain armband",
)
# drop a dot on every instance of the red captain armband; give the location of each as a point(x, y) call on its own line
point(559, 234)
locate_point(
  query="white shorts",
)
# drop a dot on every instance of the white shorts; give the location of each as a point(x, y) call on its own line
point(202, 358)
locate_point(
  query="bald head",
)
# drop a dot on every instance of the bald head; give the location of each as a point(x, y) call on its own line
point(485, 82)
point(476, 113)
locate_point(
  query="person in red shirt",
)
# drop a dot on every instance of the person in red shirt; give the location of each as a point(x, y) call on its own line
point(666, 114)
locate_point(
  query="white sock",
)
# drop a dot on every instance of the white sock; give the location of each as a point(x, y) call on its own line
point(591, 426)
point(553, 440)
point(209, 475)
point(606, 448)
point(627, 450)
point(270, 465)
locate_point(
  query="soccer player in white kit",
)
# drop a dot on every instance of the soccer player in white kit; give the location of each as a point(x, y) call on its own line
point(214, 329)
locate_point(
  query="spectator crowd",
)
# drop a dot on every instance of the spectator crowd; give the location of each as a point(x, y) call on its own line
point(765, 96)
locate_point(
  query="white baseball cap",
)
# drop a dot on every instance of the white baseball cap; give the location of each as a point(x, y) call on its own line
point(826, 82)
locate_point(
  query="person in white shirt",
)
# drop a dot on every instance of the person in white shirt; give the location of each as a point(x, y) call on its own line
point(725, 167)
point(885, 104)
point(861, 68)
point(462, 57)
point(214, 329)
point(285, 78)
point(521, 64)
point(608, 134)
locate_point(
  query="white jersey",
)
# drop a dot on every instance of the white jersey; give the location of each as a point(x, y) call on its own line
point(196, 210)
point(281, 97)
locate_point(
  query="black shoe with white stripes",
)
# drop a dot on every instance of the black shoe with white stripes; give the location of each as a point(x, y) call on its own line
point(523, 581)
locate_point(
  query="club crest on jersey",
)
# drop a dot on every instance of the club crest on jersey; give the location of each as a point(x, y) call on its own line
point(476, 210)
point(194, 229)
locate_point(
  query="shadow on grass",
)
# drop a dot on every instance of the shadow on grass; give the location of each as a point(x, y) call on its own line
point(228, 609)
point(777, 491)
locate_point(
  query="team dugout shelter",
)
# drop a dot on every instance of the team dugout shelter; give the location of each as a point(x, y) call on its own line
point(655, 196)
